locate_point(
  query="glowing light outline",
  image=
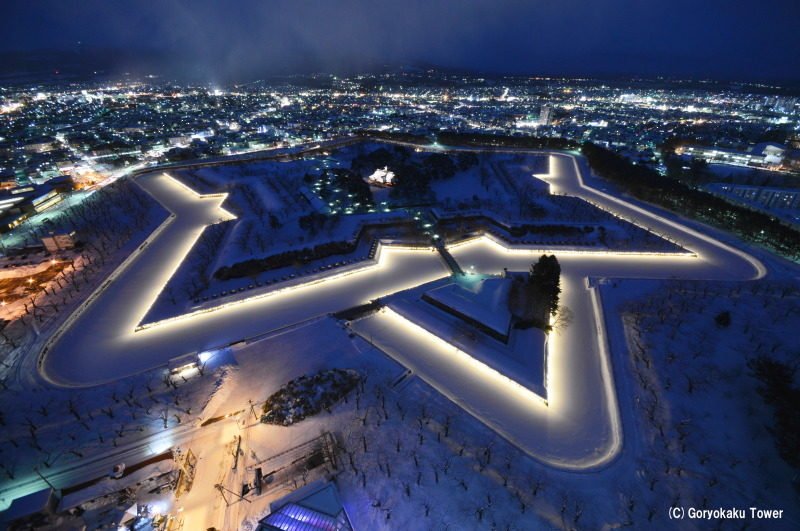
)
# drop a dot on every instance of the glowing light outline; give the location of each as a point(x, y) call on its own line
point(610, 390)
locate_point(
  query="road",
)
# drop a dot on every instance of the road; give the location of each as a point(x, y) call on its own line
point(100, 465)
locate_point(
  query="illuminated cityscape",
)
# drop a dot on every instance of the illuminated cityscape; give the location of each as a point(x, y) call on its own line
point(393, 296)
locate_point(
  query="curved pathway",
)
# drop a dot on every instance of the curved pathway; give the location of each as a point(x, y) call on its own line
point(578, 427)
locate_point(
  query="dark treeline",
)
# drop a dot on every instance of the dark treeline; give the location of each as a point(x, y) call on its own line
point(301, 257)
point(777, 389)
point(395, 137)
point(643, 183)
point(534, 299)
point(451, 138)
point(483, 139)
point(646, 184)
point(256, 266)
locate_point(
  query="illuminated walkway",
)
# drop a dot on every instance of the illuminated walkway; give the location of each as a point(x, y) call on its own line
point(101, 344)
point(578, 428)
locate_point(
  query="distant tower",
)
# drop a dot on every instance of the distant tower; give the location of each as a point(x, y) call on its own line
point(546, 115)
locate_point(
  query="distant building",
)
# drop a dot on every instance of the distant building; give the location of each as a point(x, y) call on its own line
point(59, 242)
point(545, 118)
point(546, 115)
point(41, 144)
point(8, 179)
point(765, 155)
point(792, 160)
point(783, 203)
point(18, 204)
point(28, 512)
point(382, 177)
point(182, 140)
point(781, 198)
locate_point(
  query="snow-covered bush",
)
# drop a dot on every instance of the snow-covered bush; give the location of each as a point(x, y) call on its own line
point(308, 395)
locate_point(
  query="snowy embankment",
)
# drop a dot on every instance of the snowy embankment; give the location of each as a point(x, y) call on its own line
point(109, 324)
point(408, 457)
point(112, 222)
point(484, 300)
point(195, 287)
point(269, 213)
point(520, 356)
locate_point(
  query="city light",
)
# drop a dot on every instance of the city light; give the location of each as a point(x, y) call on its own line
point(180, 260)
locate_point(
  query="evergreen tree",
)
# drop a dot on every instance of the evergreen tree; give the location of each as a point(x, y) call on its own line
point(545, 277)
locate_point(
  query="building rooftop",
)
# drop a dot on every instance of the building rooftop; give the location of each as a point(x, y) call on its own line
point(316, 507)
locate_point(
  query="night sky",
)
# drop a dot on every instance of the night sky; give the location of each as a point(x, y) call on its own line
point(239, 40)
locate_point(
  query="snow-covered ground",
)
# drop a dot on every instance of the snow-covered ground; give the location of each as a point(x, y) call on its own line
point(410, 457)
point(272, 197)
point(698, 433)
point(517, 354)
point(483, 299)
point(109, 324)
point(591, 403)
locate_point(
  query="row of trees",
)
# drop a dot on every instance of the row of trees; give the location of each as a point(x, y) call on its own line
point(779, 391)
point(296, 257)
point(646, 184)
point(63, 425)
point(423, 462)
point(452, 138)
point(485, 139)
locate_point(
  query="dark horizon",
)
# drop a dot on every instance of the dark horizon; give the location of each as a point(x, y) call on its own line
point(206, 41)
point(52, 66)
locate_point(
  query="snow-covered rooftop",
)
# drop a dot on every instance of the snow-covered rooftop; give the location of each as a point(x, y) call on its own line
point(316, 507)
point(383, 176)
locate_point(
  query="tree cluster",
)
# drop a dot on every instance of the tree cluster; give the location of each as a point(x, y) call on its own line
point(533, 300)
point(646, 184)
point(308, 395)
point(366, 163)
point(352, 184)
point(413, 179)
point(254, 266)
point(778, 390)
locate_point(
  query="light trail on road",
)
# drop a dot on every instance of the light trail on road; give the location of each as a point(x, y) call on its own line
point(579, 427)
